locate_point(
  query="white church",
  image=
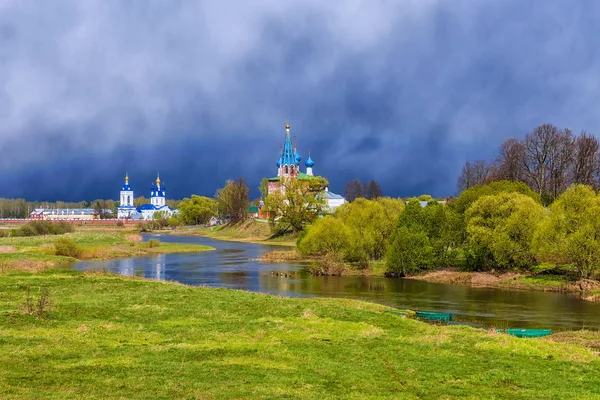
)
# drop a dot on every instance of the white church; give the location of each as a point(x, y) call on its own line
point(158, 202)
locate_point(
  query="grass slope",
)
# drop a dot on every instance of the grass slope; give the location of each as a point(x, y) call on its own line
point(252, 231)
point(111, 337)
point(36, 252)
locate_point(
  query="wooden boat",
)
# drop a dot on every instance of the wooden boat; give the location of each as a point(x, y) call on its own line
point(528, 333)
point(434, 316)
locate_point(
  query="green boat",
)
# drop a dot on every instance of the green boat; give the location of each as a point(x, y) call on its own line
point(528, 333)
point(434, 316)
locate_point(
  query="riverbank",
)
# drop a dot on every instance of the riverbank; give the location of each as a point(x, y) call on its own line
point(38, 252)
point(249, 231)
point(108, 336)
point(589, 289)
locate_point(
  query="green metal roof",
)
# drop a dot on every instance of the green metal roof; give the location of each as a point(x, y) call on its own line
point(301, 175)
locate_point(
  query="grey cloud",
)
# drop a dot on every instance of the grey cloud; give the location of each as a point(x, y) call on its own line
point(399, 91)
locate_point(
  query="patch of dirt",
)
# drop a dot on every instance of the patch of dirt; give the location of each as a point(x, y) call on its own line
point(8, 249)
point(481, 279)
point(133, 237)
point(278, 256)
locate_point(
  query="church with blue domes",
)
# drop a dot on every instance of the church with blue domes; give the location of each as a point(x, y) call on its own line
point(288, 166)
point(158, 202)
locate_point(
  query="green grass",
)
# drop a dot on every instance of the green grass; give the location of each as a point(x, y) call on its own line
point(37, 252)
point(111, 337)
point(556, 283)
point(251, 231)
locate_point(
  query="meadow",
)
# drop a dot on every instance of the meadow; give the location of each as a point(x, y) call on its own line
point(104, 336)
point(35, 253)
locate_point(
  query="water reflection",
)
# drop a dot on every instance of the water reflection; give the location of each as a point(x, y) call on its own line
point(235, 265)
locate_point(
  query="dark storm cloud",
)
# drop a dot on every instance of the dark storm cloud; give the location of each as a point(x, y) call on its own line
point(398, 91)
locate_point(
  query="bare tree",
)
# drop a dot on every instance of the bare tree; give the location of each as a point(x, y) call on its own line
point(373, 190)
point(473, 173)
point(586, 161)
point(560, 162)
point(537, 149)
point(510, 162)
point(353, 190)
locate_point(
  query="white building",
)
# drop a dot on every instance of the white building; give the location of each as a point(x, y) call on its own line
point(333, 200)
point(158, 202)
point(126, 207)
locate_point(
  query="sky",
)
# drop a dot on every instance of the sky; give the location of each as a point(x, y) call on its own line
point(399, 91)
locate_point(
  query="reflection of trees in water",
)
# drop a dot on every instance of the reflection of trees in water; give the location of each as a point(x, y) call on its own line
point(237, 279)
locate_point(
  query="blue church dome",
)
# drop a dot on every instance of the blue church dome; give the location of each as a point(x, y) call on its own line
point(298, 158)
point(309, 162)
point(126, 187)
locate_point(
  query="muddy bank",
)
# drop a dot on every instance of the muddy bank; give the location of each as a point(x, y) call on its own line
point(589, 289)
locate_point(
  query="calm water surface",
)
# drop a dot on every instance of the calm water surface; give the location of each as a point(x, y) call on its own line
point(234, 265)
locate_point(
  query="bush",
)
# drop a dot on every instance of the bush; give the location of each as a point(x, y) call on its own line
point(42, 228)
point(120, 224)
point(66, 247)
point(500, 230)
point(409, 252)
point(326, 235)
point(153, 243)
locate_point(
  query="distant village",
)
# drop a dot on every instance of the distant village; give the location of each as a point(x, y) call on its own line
point(288, 167)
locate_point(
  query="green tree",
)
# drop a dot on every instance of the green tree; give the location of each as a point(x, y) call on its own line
point(327, 235)
point(440, 224)
point(264, 188)
point(409, 251)
point(500, 230)
point(197, 210)
point(233, 200)
point(469, 196)
point(571, 232)
point(372, 223)
point(298, 203)
point(140, 201)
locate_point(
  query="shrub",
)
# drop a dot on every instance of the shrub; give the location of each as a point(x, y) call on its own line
point(120, 224)
point(42, 228)
point(500, 231)
point(409, 251)
point(39, 307)
point(153, 243)
point(326, 235)
point(4, 233)
point(569, 235)
point(66, 247)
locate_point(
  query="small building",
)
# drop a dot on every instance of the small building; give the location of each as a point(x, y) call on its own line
point(38, 213)
point(67, 214)
point(253, 212)
point(333, 200)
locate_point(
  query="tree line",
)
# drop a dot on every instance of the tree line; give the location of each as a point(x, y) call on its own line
point(500, 226)
point(548, 160)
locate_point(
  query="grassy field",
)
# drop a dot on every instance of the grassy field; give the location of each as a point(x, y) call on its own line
point(112, 337)
point(37, 252)
point(251, 231)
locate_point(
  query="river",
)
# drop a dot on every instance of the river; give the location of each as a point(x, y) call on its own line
point(234, 265)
